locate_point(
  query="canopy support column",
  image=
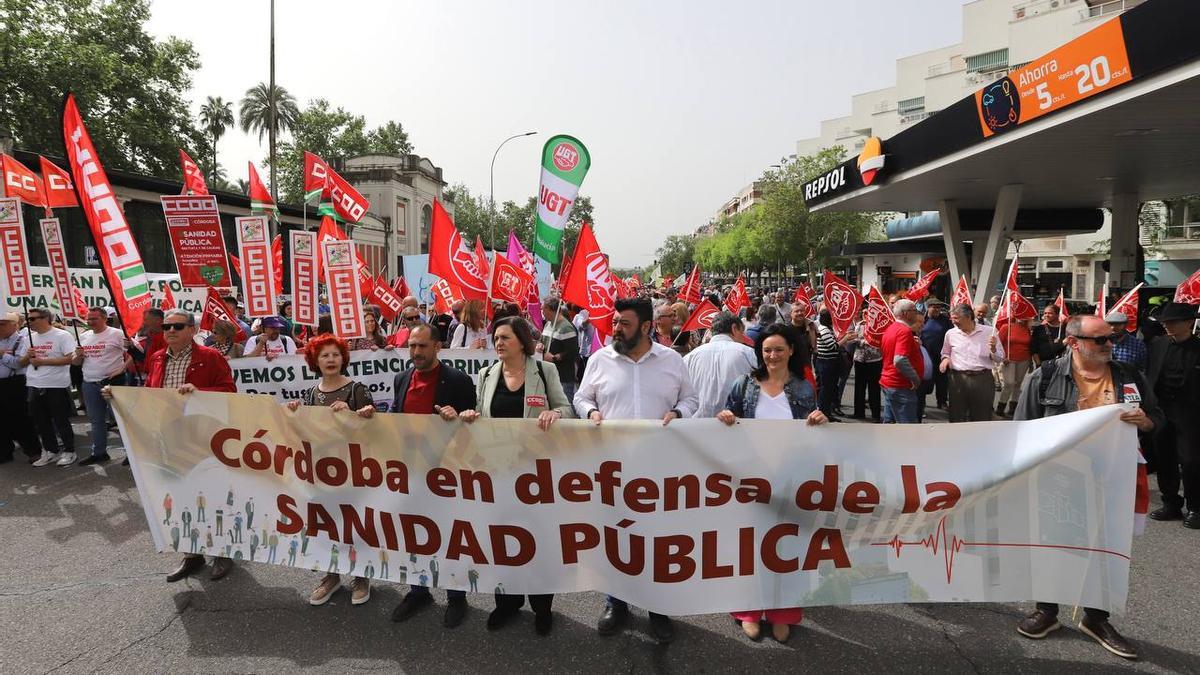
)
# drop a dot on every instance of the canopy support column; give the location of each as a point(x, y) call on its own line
point(956, 252)
point(1003, 220)
point(1122, 266)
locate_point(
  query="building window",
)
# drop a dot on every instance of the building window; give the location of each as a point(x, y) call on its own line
point(401, 216)
point(911, 105)
point(988, 61)
point(426, 218)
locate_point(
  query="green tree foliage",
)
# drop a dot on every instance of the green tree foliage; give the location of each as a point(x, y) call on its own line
point(677, 254)
point(254, 114)
point(332, 133)
point(216, 115)
point(129, 86)
point(781, 232)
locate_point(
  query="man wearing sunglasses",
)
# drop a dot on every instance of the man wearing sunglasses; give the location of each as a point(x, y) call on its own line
point(1085, 377)
point(48, 380)
point(186, 366)
point(410, 318)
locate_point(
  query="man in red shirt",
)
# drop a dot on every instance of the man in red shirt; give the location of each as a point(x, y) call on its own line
point(430, 387)
point(902, 366)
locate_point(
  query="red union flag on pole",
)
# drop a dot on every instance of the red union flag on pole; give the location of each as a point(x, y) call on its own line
point(445, 295)
point(56, 186)
point(590, 284)
point(381, 295)
point(193, 177)
point(118, 251)
point(1128, 305)
point(920, 290)
point(345, 297)
point(14, 249)
point(510, 283)
point(258, 281)
point(452, 259)
point(690, 293)
point(304, 276)
point(81, 306)
point(260, 197)
point(737, 298)
point(803, 300)
point(1188, 292)
point(702, 316)
point(400, 287)
point(621, 288)
point(320, 181)
point(1061, 304)
point(1101, 302)
point(1014, 305)
point(215, 310)
point(21, 183)
point(962, 294)
point(843, 301)
point(56, 254)
point(877, 316)
point(197, 240)
point(168, 300)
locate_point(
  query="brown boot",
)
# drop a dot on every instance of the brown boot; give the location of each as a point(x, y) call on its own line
point(220, 567)
point(187, 567)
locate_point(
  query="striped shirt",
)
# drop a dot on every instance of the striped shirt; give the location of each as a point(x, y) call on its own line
point(827, 346)
point(175, 368)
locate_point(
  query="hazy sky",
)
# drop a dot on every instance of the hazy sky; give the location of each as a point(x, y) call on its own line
point(680, 103)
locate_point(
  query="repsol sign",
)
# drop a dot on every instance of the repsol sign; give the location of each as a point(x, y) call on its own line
point(822, 185)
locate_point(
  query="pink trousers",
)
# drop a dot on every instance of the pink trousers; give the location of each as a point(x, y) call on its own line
point(791, 616)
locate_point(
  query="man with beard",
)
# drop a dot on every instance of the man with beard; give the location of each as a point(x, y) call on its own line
point(1085, 377)
point(635, 378)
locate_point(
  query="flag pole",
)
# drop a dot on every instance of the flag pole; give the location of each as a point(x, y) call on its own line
point(28, 329)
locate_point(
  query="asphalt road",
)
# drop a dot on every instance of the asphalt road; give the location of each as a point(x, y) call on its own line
point(82, 591)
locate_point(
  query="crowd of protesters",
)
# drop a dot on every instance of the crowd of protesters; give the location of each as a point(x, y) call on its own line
point(772, 360)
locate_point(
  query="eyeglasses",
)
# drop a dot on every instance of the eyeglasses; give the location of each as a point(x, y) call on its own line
point(411, 318)
point(35, 317)
point(1100, 340)
point(174, 326)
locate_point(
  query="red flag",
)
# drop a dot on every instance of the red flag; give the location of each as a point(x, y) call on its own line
point(1101, 302)
point(667, 281)
point(123, 267)
point(348, 203)
point(1188, 292)
point(481, 258)
point(690, 293)
point(236, 263)
point(1061, 304)
point(81, 306)
point(342, 278)
point(877, 316)
point(56, 256)
point(451, 259)
point(1128, 305)
point(1014, 304)
point(590, 283)
point(737, 298)
point(380, 294)
point(260, 197)
point(843, 301)
point(21, 183)
point(56, 186)
point(962, 294)
point(445, 294)
point(168, 300)
point(803, 299)
point(400, 287)
point(920, 290)
point(193, 177)
point(277, 263)
point(564, 271)
point(258, 279)
point(304, 277)
point(634, 281)
point(215, 310)
point(621, 288)
point(510, 283)
point(702, 316)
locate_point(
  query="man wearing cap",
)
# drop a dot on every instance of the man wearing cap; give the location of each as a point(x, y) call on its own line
point(14, 343)
point(271, 343)
point(1174, 374)
point(1127, 347)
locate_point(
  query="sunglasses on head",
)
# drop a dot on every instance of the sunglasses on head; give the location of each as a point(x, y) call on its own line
point(1100, 340)
point(174, 326)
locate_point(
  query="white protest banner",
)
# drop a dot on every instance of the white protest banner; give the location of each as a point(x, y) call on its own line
point(13, 250)
point(341, 281)
point(94, 288)
point(258, 280)
point(304, 276)
point(287, 377)
point(695, 517)
point(56, 255)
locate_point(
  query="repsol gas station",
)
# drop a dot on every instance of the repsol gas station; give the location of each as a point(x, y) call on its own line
point(1108, 120)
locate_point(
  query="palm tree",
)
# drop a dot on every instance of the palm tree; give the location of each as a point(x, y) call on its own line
point(216, 115)
point(268, 110)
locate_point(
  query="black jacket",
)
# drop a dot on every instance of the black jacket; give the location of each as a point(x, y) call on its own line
point(454, 388)
point(1183, 409)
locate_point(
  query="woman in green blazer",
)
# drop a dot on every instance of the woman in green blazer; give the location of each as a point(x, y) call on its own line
point(519, 386)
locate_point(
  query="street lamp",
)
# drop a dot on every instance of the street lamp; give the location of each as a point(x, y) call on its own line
point(492, 184)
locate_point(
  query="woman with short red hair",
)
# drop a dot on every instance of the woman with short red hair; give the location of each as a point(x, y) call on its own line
point(327, 356)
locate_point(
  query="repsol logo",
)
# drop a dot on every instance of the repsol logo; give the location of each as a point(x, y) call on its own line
point(829, 182)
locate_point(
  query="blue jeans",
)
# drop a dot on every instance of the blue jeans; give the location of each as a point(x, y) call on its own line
point(899, 406)
point(97, 412)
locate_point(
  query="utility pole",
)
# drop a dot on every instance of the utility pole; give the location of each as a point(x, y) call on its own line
point(271, 102)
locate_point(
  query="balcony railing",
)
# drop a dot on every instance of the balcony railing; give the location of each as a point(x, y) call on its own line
point(1108, 8)
point(1033, 8)
point(1185, 232)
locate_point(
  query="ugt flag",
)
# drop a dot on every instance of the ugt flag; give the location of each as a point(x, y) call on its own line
point(564, 164)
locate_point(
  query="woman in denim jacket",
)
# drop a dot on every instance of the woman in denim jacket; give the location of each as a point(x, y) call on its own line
point(776, 389)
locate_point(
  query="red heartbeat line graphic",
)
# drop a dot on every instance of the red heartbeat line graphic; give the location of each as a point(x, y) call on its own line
point(949, 545)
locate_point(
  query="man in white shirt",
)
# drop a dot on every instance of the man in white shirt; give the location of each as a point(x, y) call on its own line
point(715, 367)
point(101, 353)
point(635, 378)
point(48, 379)
point(270, 344)
point(783, 308)
point(14, 398)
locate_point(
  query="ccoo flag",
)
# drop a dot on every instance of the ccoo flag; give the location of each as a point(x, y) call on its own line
point(564, 164)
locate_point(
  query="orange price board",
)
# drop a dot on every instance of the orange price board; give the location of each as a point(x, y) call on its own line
point(1092, 63)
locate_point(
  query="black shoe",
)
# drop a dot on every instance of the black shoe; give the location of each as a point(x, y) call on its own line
point(189, 566)
point(220, 568)
point(1109, 638)
point(125, 462)
point(661, 628)
point(1167, 513)
point(411, 604)
point(1192, 521)
point(456, 611)
point(5, 459)
point(94, 460)
point(1038, 625)
point(500, 616)
point(612, 620)
point(543, 622)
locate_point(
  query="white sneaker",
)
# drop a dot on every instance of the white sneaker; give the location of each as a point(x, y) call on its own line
point(66, 459)
point(47, 458)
